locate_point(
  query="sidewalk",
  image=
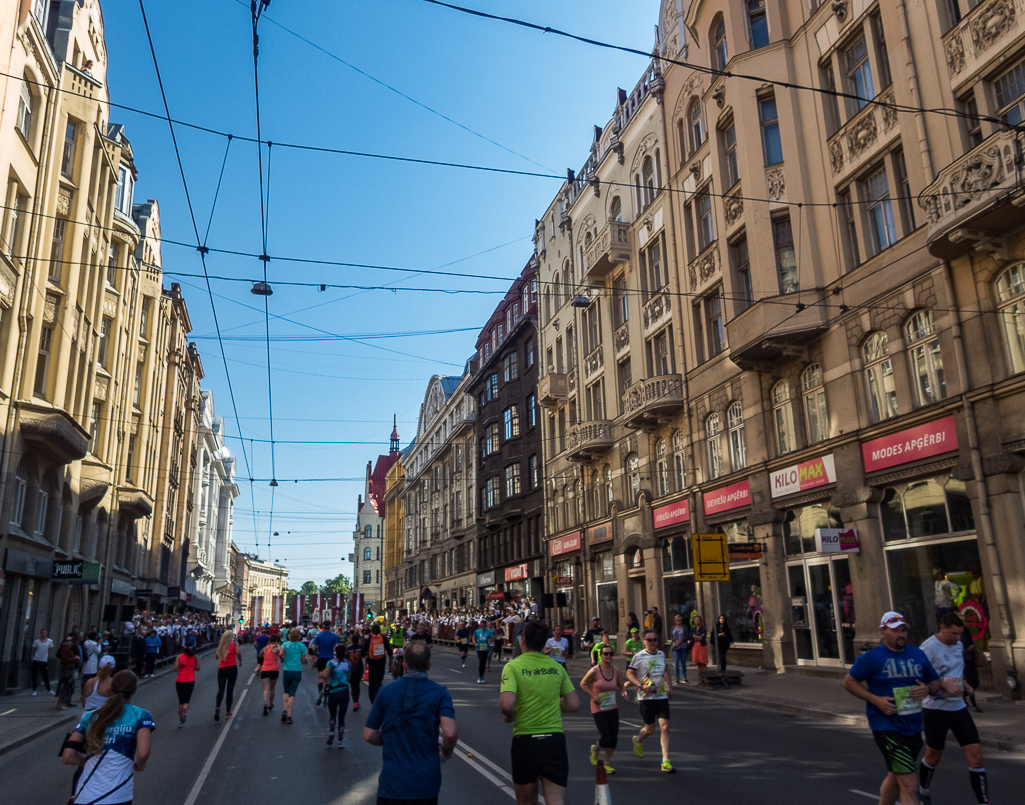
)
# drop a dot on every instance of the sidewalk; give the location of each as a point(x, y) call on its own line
point(24, 717)
point(1001, 724)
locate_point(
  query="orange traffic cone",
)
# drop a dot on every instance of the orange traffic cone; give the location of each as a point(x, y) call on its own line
point(601, 786)
point(366, 674)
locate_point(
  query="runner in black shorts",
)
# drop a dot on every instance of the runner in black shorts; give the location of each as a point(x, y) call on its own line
point(948, 712)
point(535, 692)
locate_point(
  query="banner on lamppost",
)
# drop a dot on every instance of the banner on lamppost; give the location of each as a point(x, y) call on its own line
point(277, 608)
point(256, 610)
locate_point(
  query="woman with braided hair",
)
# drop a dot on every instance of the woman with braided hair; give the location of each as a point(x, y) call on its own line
point(111, 744)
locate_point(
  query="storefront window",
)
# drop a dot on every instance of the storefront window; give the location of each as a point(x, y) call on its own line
point(740, 600)
point(681, 599)
point(676, 555)
point(926, 581)
point(607, 596)
point(926, 508)
point(800, 524)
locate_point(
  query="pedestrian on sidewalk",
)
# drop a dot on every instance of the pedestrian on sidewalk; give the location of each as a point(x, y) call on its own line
point(405, 721)
point(650, 672)
point(535, 692)
point(942, 713)
point(656, 625)
point(69, 660)
point(229, 658)
point(41, 660)
point(601, 683)
point(893, 679)
point(335, 677)
point(138, 650)
point(354, 654)
point(185, 666)
point(723, 641)
point(153, 646)
point(110, 744)
point(90, 657)
point(971, 669)
point(293, 659)
point(270, 668)
point(699, 646)
point(681, 642)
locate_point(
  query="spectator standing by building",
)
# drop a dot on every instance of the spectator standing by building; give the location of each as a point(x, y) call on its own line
point(535, 692)
point(41, 660)
point(723, 641)
point(153, 645)
point(90, 657)
point(69, 660)
point(680, 642)
point(405, 720)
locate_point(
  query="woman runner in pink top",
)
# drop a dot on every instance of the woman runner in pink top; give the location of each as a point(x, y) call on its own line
point(269, 670)
point(602, 683)
point(186, 664)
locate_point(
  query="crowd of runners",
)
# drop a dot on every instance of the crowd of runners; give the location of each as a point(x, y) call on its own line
point(906, 689)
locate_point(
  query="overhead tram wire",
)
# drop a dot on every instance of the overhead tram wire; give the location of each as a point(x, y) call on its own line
point(716, 72)
point(200, 245)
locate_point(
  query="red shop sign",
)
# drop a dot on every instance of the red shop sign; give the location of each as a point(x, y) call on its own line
point(678, 512)
point(903, 447)
point(565, 544)
point(734, 496)
point(496, 595)
point(516, 572)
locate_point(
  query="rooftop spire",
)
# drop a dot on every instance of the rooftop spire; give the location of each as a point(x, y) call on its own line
point(395, 434)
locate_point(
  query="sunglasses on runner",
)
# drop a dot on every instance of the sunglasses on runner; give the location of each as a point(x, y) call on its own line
point(607, 654)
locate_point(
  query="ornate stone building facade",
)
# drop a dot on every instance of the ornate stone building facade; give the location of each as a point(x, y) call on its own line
point(368, 538)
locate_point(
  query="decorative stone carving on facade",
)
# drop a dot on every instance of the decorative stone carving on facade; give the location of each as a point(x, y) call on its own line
point(955, 55)
point(594, 363)
point(50, 309)
point(621, 339)
point(583, 433)
point(719, 95)
point(889, 111)
point(657, 87)
point(661, 389)
point(647, 146)
point(8, 280)
point(100, 391)
point(63, 202)
point(109, 306)
point(862, 134)
point(56, 434)
point(777, 184)
point(840, 10)
point(991, 22)
point(140, 354)
point(571, 380)
point(656, 310)
point(836, 156)
point(707, 265)
point(133, 428)
point(733, 207)
point(695, 169)
point(988, 166)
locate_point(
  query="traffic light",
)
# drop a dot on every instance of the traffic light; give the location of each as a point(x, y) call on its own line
point(240, 620)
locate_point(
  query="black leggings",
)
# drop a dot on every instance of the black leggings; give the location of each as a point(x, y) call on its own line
point(722, 660)
point(40, 669)
point(355, 679)
point(376, 669)
point(228, 675)
point(337, 704)
point(482, 661)
point(607, 722)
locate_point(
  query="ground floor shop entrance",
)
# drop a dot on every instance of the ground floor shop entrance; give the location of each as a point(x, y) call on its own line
point(822, 610)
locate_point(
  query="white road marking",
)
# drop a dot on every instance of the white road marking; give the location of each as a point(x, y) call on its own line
point(8, 712)
point(505, 784)
point(494, 766)
point(865, 794)
point(197, 787)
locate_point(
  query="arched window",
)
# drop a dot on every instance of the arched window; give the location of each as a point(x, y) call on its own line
point(44, 494)
point(738, 444)
point(815, 412)
point(633, 474)
point(548, 304)
point(662, 467)
point(783, 416)
point(368, 553)
point(648, 180)
point(20, 493)
point(26, 110)
point(679, 462)
point(879, 374)
point(720, 51)
point(681, 137)
point(926, 358)
point(616, 209)
point(1011, 299)
point(368, 532)
point(557, 291)
point(712, 438)
point(697, 125)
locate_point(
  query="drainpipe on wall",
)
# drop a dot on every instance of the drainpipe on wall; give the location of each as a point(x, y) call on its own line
point(985, 514)
point(916, 95)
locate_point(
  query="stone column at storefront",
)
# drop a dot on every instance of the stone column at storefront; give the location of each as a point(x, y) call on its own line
point(859, 509)
point(777, 638)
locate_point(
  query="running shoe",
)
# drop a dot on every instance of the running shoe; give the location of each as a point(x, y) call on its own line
point(341, 738)
point(667, 766)
point(229, 714)
point(35, 693)
point(594, 754)
point(355, 707)
point(924, 799)
point(609, 769)
point(265, 710)
point(330, 739)
point(53, 693)
point(217, 714)
point(319, 700)
point(288, 720)
point(638, 748)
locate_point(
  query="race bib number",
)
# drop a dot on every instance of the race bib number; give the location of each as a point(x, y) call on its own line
point(378, 650)
point(906, 706)
point(606, 701)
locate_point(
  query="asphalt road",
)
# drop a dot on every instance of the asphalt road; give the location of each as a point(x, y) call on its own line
point(723, 752)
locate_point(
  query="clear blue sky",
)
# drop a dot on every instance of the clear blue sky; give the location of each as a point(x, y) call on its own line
point(536, 96)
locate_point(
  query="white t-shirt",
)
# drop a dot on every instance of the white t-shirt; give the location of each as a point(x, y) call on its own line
point(91, 650)
point(41, 650)
point(650, 668)
point(559, 649)
point(948, 662)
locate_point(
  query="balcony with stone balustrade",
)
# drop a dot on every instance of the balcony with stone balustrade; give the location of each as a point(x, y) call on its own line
point(588, 440)
point(651, 401)
point(610, 249)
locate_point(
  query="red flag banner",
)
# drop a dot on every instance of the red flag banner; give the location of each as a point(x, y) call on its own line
point(256, 610)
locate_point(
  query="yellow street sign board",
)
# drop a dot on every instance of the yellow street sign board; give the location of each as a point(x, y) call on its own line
point(711, 559)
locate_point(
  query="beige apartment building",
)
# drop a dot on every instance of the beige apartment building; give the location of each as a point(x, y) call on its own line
point(83, 345)
point(440, 474)
point(394, 536)
point(264, 587)
point(841, 287)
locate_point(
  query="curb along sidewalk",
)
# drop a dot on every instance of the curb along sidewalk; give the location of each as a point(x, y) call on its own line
point(24, 717)
point(1001, 724)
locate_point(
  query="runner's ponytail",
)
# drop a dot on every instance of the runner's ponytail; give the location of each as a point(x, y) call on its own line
point(122, 688)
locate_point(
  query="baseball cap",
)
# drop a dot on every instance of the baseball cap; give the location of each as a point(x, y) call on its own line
point(891, 620)
point(596, 618)
point(634, 630)
point(107, 660)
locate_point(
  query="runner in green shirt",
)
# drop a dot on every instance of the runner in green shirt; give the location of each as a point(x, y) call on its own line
point(596, 650)
point(535, 692)
point(633, 645)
